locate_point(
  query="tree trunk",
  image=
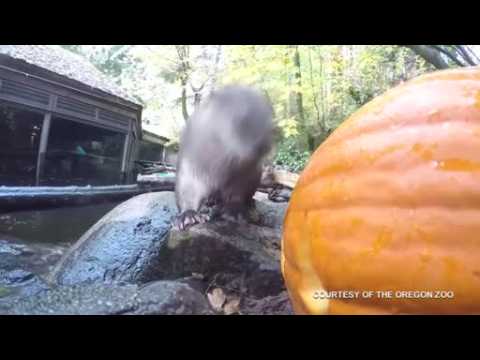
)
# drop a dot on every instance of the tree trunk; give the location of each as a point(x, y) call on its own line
point(323, 92)
point(184, 74)
point(197, 97)
point(298, 82)
point(196, 100)
point(296, 98)
point(313, 86)
point(184, 101)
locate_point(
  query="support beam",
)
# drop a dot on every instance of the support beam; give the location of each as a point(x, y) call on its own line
point(42, 148)
point(126, 157)
point(125, 153)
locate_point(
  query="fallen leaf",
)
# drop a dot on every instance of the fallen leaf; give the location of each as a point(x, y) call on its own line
point(217, 298)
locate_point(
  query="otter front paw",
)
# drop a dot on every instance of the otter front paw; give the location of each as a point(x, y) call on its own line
point(189, 218)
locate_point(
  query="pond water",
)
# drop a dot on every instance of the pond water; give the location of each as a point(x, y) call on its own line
point(62, 226)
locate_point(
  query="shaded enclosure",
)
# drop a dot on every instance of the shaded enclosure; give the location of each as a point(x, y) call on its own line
point(155, 148)
point(20, 131)
point(150, 151)
point(79, 154)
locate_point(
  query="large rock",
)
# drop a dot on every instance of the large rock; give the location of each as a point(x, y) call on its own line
point(123, 246)
point(270, 305)
point(38, 258)
point(17, 284)
point(135, 244)
point(171, 298)
point(271, 215)
point(22, 265)
point(158, 298)
point(226, 251)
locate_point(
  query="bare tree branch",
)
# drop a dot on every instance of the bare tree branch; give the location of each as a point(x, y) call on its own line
point(429, 55)
point(465, 55)
point(473, 55)
point(449, 54)
point(460, 54)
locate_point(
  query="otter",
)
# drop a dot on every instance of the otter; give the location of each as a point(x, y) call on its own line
point(221, 153)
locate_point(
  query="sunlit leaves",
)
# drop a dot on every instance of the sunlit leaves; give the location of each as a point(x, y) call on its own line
point(289, 126)
point(335, 79)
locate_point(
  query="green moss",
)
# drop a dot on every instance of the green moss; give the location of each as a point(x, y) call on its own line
point(4, 291)
point(178, 237)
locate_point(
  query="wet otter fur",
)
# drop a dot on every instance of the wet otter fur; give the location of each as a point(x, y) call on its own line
point(221, 153)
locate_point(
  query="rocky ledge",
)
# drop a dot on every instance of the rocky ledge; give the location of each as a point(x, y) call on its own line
point(132, 262)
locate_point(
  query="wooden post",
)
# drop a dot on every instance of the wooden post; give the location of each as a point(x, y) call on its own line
point(130, 154)
point(126, 148)
point(42, 148)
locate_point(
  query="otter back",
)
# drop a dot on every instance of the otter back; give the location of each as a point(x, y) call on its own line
point(222, 148)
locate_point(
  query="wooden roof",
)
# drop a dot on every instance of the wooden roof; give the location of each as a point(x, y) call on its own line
point(66, 64)
point(154, 138)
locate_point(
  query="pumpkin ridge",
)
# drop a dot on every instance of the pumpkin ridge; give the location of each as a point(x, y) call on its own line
point(379, 126)
point(403, 198)
point(439, 170)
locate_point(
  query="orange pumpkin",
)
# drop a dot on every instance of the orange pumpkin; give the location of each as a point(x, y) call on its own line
point(390, 202)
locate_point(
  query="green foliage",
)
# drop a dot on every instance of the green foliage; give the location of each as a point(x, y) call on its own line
point(73, 48)
point(290, 156)
point(289, 127)
point(4, 291)
point(313, 88)
point(335, 80)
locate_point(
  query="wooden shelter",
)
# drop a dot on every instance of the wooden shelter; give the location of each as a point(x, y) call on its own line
point(62, 122)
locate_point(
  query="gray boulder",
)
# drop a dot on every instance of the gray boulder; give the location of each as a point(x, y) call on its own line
point(134, 244)
point(270, 305)
point(271, 215)
point(21, 267)
point(123, 246)
point(225, 251)
point(162, 297)
point(38, 258)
